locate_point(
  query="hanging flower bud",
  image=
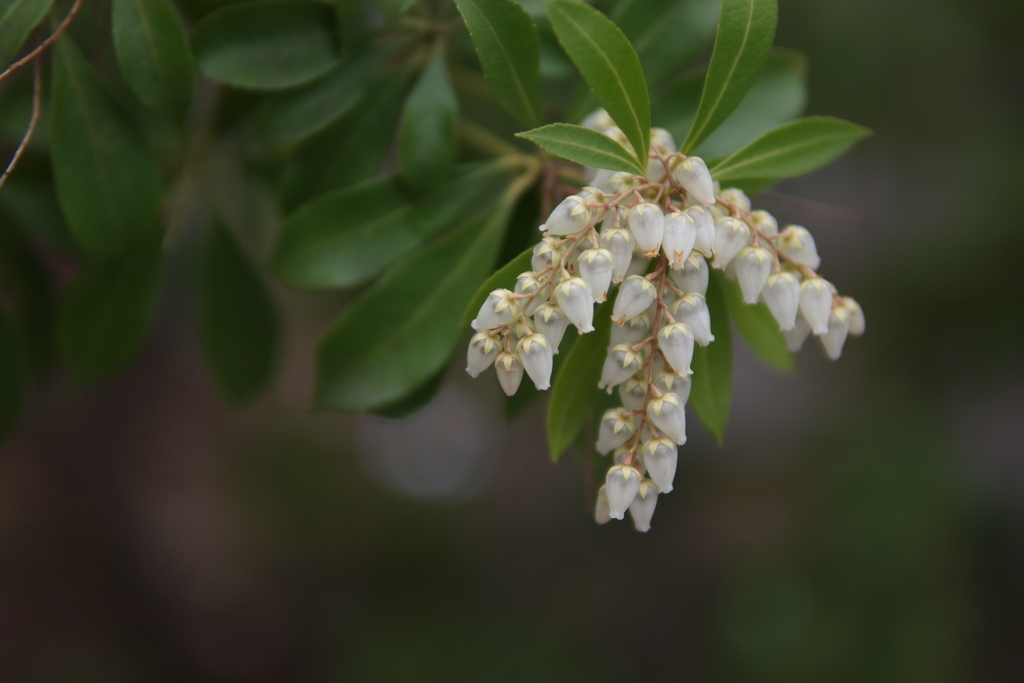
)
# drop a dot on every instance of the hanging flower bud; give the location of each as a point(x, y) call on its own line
point(857, 323)
point(796, 337)
point(595, 266)
point(692, 309)
point(782, 294)
point(632, 331)
point(660, 456)
point(676, 343)
point(637, 266)
point(635, 296)
point(620, 243)
point(662, 141)
point(483, 348)
point(731, 235)
point(642, 507)
point(598, 120)
point(575, 300)
point(510, 372)
point(816, 303)
point(527, 283)
point(693, 278)
point(497, 310)
point(704, 241)
point(551, 322)
point(796, 243)
point(536, 355)
point(672, 383)
point(616, 428)
point(621, 363)
point(692, 173)
point(633, 393)
point(546, 253)
point(621, 485)
point(753, 265)
point(677, 240)
point(736, 197)
point(569, 217)
point(620, 454)
point(647, 223)
point(602, 513)
point(764, 222)
point(667, 414)
point(838, 328)
point(656, 169)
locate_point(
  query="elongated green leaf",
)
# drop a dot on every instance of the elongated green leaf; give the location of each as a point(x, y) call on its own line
point(758, 326)
point(17, 18)
point(266, 45)
point(509, 49)
point(711, 395)
point(104, 319)
point(746, 29)
point(792, 150)
point(426, 143)
point(28, 296)
point(575, 391)
point(609, 65)
point(584, 146)
point(240, 328)
point(666, 34)
point(405, 328)
point(14, 375)
point(414, 400)
point(348, 236)
point(503, 278)
point(154, 54)
point(107, 180)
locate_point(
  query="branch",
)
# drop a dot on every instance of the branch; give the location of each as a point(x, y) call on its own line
point(37, 97)
point(45, 44)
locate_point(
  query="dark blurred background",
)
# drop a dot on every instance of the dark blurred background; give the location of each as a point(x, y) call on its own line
point(864, 521)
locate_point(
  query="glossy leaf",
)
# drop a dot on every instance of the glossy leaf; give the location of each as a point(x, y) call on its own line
point(266, 45)
point(240, 327)
point(418, 398)
point(711, 395)
point(426, 143)
point(609, 65)
point(17, 19)
point(746, 29)
point(758, 326)
point(107, 180)
point(666, 34)
point(506, 41)
point(14, 375)
point(154, 54)
point(575, 393)
point(503, 278)
point(584, 146)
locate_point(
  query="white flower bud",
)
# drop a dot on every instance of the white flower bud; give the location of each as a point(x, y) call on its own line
point(764, 222)
point(615, 133)
point(575, 300)
point(647, 223)
point(551, 322)
point(527, 283)
point(497, 310)
point(602, 513)
point(642, 507)
point(598, 120)
point(857, 323)
point(635, 296)
point(569, 217)
point(672, 383)
point(632, 331)
point(731, 235)
point(660, 456)
point(692, 309)
point(656, 169)
point(816, 303)
point(753, 265)
point(621, 363)
point(693, 278)
point(667, 414)
point(692, 173)
point(782, 294)
point(676, 343)
point(704, 242)
point(621, 485)
point(838, 328)
point(620, 454)
point(595, 267)
point(677, 240)
point(510, 372)
point(663, 141)
point(736, 196)
point(797, 244)
point(536, 354)
point(616, 428)
point(483, 348)
point(620, 243)
point(546, 253)
point(633, 393)
point(796, 337)
point(638, 265)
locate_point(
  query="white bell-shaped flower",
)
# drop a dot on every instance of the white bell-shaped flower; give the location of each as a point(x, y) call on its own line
point(798, 244)
point(660, 457)
point(510, 372)
point(589, 240)
point(678, 238)
point(647, 223)
point(642, 507)
point(816, 303)
point(782, 295)
point(753, 266)
point(632, 331)
point(620, 454)
point(731, 235)
point(576, 301)
point(736, 197)
point(656, 170)
point(620, 244)
point(595, 267)
point(602, 513)
point(663, 141)
point(676, 343)
point(633, 393)
point(598, 120)
point(546, 253)
point(537, 355)
point(796, 337)
point(764, 222)
point(621, 485)
point(637, 266)
point(551, 322)
point(692, 309)
point(527, 283)
point(704, 241)
point(693, 278)
point(483, 349)
point(838, 329)
point(692, 173)
point(497, 310)
point(569, 217)
point(635, 296)
point(857, 322)
point(621, 363)
point(667, 413)
point(673, 383)
point(616, 428)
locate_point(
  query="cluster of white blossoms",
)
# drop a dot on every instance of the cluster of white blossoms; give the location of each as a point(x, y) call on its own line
point(655, 236)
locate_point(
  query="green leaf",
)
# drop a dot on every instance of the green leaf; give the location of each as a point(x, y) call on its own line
point(426, 143)
point(746, 29)
point(575, 391)
point(758, 326)
point(405, 328)
point(506, 41)
point(504, 278)
point(103, 321)
point(154, 54)
point(28, 295)
point(107, 180)
point(240, 328)
point(711, 395)
point(266, 45)
point(666, 34)
point(14, 374)
point(17, 19)
point(350, 235)
point(792, 150)
point(416, 399)
point(584, 146)
point(609, 65)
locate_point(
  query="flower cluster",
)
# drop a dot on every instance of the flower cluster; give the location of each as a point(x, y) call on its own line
point(656, 237)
